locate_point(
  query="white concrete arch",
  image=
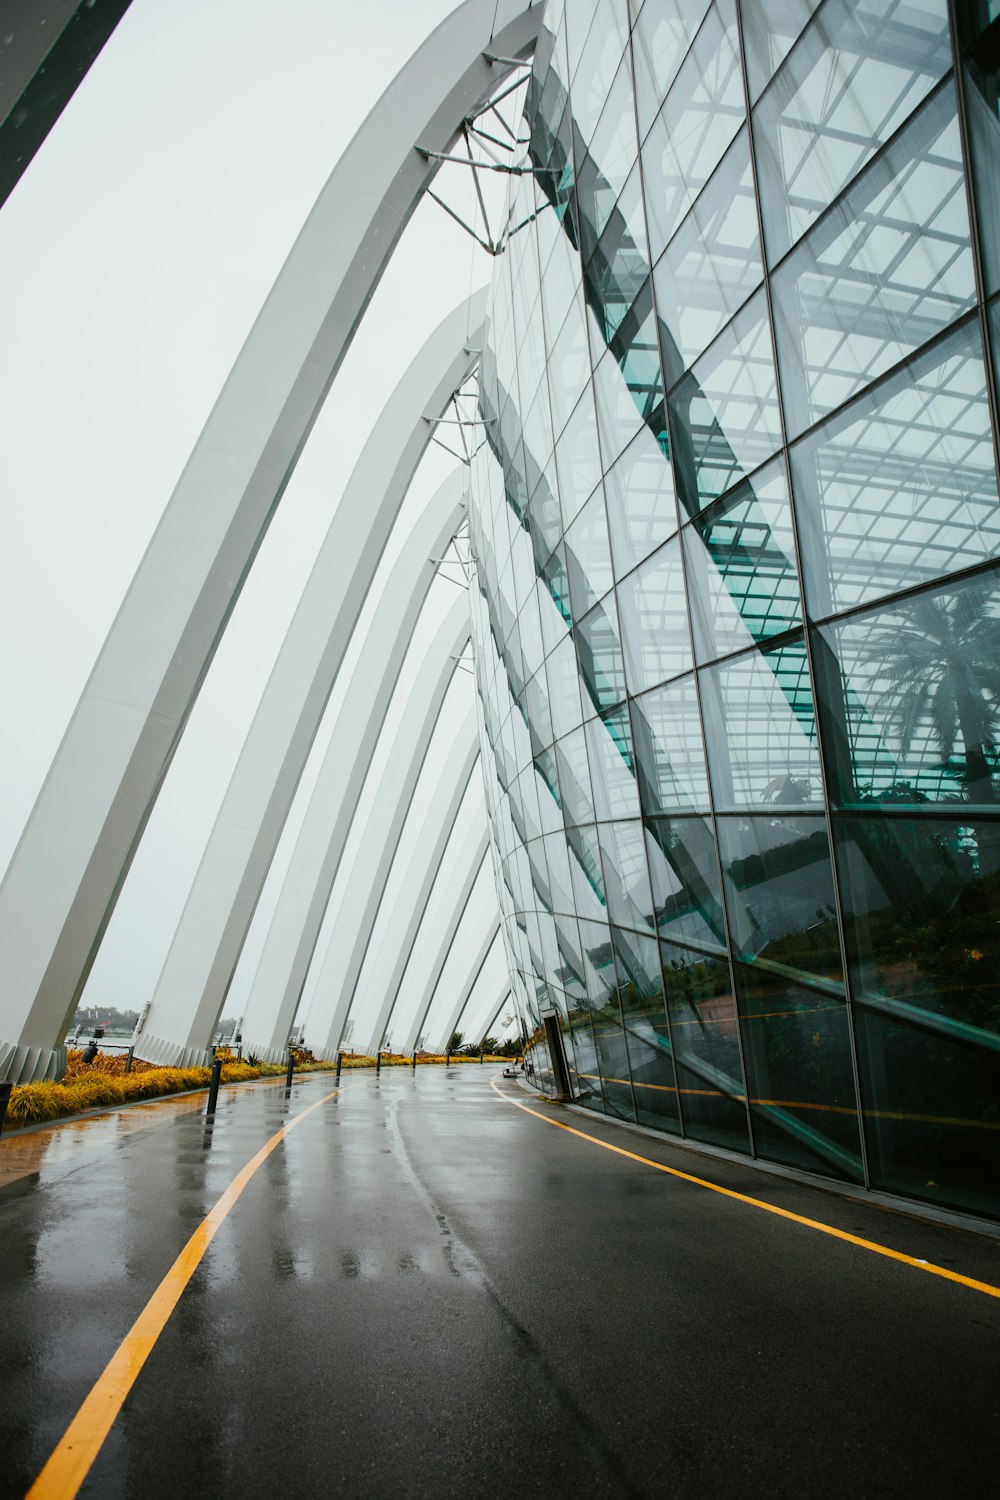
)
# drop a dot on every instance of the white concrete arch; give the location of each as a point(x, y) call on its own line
point(66, 873)
point(486, 997)
point(474, 855)
point(484, 942)
point(361, 882)
point(280, 975)
point(206, 946)
point(383, 972)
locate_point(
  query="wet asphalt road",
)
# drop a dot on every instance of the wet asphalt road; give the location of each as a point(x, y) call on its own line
point(427, 1292)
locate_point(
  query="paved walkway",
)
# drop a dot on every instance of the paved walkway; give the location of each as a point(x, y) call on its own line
point(425, 1290)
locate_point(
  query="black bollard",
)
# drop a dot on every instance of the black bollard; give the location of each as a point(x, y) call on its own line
point(213, 1086)
point(378, 1062)
point(447, 1059)
point(340, 1058)
point(5, 1089)
point(128, 1060)
point(413, 1060)
point(481, 1058)
point(291, 1069)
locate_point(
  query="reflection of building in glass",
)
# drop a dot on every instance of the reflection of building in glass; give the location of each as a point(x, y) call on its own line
point(738, 621)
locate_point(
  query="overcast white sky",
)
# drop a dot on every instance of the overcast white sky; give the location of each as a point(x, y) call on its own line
point(135, 254)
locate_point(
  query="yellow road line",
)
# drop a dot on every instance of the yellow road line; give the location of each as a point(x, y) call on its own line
point(770, 1208)
point(83, 1439)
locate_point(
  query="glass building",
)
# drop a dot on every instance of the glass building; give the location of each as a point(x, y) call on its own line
point(737, 615)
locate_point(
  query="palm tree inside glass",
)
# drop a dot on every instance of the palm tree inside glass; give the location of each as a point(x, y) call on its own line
point(940, 663)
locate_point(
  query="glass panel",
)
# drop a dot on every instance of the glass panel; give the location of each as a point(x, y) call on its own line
point(760, 728)
point(684, 874)
point(930, 1110)
point(599, 652)
point(902, 486)
point(711, 264)
point(724, 415)
point(982, 95)
point(703, 1026)
point(647, 1038)
point(702, 112)
point(599, 963)
point(921, 901)
point(743, 586)
point(626, 879)
point(618, 419)
point(800, 1074)
point(769, 29)
point(779, 893)
point(669, 749)
point(568, 366)
point(553, 600)
point(660, 40)
point(585, 870)
point(578, 459)
point(851, 80)
point(612, 1056)
point(642, 512)
point(560, 881)
point(598, 64)
point(574, 779)
point(654, 619)
point(912, 694)
point(884, 271)
point(564, 688)
point(618, 269)
point(588, 556)
point(612, 768)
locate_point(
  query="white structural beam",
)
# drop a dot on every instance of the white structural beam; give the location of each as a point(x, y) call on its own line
point(206, 946)
point(476, 845)
point(484, 939)
point(383, 973)
point(63, 881)
point(278, 981)
point(485, 1003)
point(361, 885)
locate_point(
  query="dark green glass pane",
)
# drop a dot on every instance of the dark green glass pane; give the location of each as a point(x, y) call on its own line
point(911, 697)
point(921, 902)
point(932, 1115)
point(699, 994)
point(647, 1037)
point(779, 893)
point(800, 1075)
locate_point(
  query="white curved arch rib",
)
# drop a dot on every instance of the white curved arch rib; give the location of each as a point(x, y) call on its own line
point(362, 884)
point(278, 981)
point(383, 974)
point(476, 845)
point(390, 993)
point(484, 937)
point(206, 946)
point(66, 873)
point(484, 1005)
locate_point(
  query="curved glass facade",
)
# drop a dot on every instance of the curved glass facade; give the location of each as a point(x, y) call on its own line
point(737, 533)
